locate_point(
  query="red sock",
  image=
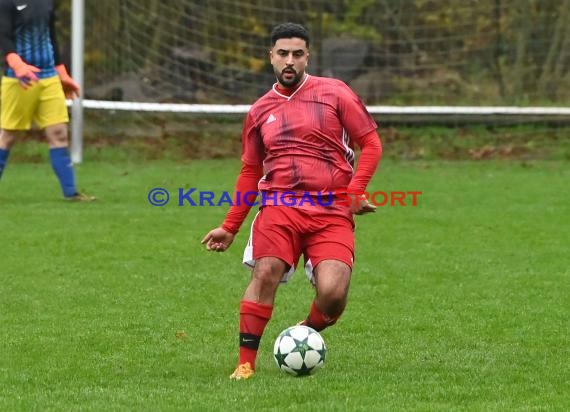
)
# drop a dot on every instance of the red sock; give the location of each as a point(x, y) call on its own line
point(253, 318)
point(318, 320)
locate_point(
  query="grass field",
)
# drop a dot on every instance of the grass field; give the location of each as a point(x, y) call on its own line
point(459, 303)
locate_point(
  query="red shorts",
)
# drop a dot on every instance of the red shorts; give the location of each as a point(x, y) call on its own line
point(287, 232)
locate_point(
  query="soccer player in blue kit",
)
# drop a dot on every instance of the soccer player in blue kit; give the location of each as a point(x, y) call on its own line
point(35, 85)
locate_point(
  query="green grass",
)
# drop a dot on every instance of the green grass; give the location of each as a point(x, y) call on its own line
point(459, 303)
point(121, 137)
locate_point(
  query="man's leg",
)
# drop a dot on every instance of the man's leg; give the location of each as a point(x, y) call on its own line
point(51, 116)
point(256, 308)
point(60, 160)
point(15, 116)
point(332, 281)
point(7, 139)
point(330, 251)
point(273, 249)
point(61, 163)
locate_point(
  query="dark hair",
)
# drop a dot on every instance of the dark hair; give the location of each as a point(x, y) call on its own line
point(288, 31)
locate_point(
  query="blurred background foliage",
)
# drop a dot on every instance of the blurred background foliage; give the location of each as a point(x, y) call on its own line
point(399, 52)
point(424, 52)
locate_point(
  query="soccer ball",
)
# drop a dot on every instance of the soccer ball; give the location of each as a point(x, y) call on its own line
point(299, 350)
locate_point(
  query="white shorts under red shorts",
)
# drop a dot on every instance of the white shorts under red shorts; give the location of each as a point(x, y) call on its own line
point(289, 232)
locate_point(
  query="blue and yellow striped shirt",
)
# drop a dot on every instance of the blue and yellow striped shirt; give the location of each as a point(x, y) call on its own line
point(27, 28)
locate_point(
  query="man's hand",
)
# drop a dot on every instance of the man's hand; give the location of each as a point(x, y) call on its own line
point(218, 240)
point(361, 206)
point(70, 88)
point(25, 72)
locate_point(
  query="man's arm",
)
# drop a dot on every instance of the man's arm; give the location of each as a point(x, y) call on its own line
point(70, 88)
point(53, 36)
point(220, 238)
point(361, 127)
point(371, 152)
point(6, 41)
point(247, 181)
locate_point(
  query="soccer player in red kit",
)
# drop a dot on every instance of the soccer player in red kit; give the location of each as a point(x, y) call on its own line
point(297, 143)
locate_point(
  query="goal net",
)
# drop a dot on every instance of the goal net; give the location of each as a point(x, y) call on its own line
point(407, 59)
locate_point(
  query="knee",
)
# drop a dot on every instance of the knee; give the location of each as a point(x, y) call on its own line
point(266, 277)
point(7, 139)
point(333, 303)
point(57, 135)
point(268, 272)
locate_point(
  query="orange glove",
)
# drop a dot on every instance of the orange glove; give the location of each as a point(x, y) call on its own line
point(70, 88)
point(24, 72)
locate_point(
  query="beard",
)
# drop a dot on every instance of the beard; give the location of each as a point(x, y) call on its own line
point(289, 77)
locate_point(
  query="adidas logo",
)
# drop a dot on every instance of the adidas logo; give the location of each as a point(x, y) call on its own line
point(270, 119)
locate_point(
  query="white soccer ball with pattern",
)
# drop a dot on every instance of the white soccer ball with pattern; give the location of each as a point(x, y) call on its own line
point(299, 350)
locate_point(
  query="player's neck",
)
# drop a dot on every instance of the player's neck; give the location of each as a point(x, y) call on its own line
point(288, 91)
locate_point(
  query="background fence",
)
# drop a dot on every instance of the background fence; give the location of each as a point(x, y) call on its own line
point(149, 63)
point(405, 52)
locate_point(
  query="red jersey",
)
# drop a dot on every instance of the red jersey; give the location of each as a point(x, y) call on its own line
point(305, 140)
